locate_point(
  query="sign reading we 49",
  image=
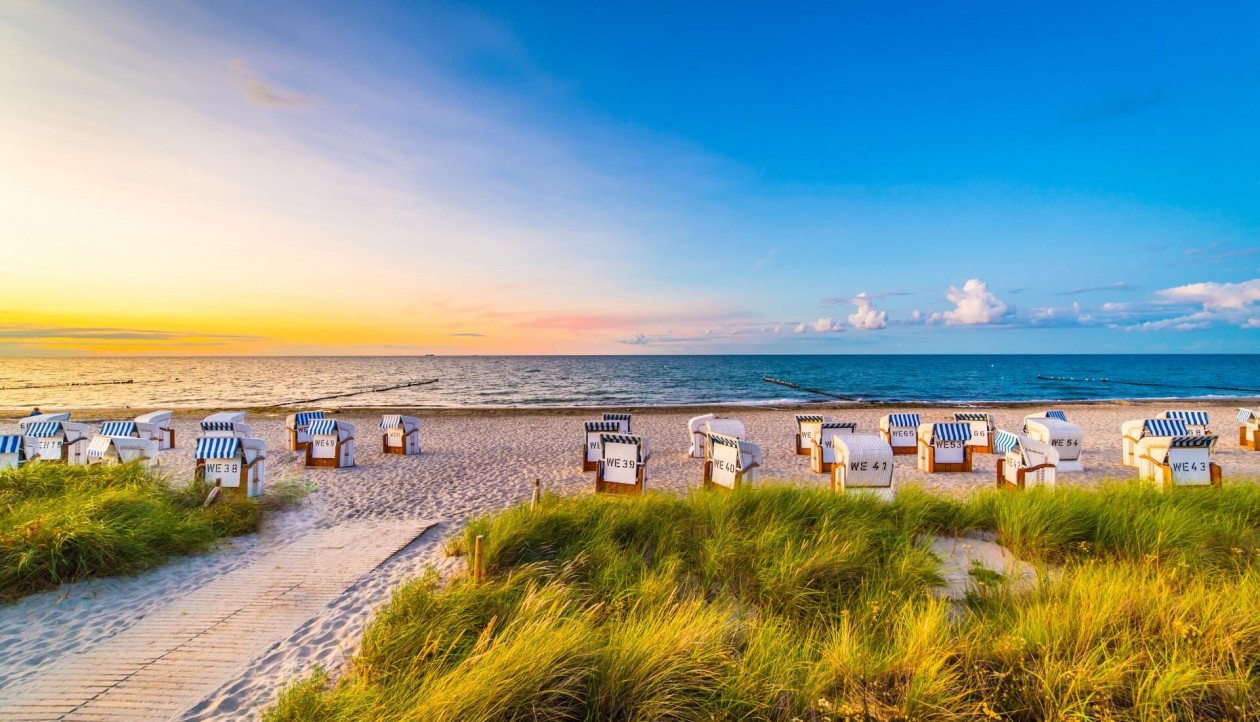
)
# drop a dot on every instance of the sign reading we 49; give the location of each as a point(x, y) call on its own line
point(324, 447)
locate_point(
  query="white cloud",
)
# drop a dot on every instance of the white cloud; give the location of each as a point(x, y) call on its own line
point(820, 325)
point(867, 317)
point(974, 305)
point(1216, 296)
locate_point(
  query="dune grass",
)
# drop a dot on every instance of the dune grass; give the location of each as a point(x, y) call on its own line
point(780, 603)
point(62, 523)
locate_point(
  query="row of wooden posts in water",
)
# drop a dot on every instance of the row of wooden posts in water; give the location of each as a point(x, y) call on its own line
point(1173, 449)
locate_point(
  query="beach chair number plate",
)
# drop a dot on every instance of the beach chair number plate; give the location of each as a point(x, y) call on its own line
point(592, 446)
point(866, 474)
point(394, 437)
point(324, 447)
point(621, 463)
point(224, 472)
point(950, 452)
point(725, 465)
point(903, 437)
point(50, 448)
point(1186, 471)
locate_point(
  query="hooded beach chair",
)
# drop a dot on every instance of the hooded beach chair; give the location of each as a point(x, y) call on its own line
point(1196, 421)
point(822, 448)
point(943, 447)
point(332, 443)
point(400, 435)
point(808, 427)
point(41, 419)
point(622, 465)
point(697, 431)
point(58, 441)
point(1178, 460)
point(297, 429)
point(623, 421)
point(1023, 462)
point(1249, 429)
point(1131, 432)
point(731, 462)
point(1068, 439)
point(901, 432)
point(236, 465)
point(12, 451)
point(864, 463)
point(225, 424)
point(156, 425)
point(982, 430)
point(121, 450)
point(592, 447)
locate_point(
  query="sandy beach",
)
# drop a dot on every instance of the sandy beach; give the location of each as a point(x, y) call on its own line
point(472, 463)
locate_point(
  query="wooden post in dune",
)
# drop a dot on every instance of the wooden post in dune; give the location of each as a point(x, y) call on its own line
point(478, 560)
point(533, 501)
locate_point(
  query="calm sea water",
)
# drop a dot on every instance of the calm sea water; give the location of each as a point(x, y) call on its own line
point(498, 381)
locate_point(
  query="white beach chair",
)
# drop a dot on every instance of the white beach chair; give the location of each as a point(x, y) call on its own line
point(1024, 462)
point(1067, 438)
point(732, 462)
point(400, 435)
point(943, 447)
point(156, 425)
point(63, 441)
point(234, 464)
point(622, 464)
point(297, 429)
point(808, 427)
point(12, 451)
point(982, 430)
point(42, 419)
point(623, 421)
point(696, 431)
point(121, 449)
point(901, 432)
point(1178, 460)
point(864, 463)
point(332, 443)
point(822, 452)
point(1196, 421)
point(592, 447)
point(224, 424)
point(1131, 432)
point(1249, 429)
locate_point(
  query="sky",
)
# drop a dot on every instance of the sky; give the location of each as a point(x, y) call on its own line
point(618, 178)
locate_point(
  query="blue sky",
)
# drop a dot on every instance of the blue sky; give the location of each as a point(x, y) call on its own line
point(633, 178)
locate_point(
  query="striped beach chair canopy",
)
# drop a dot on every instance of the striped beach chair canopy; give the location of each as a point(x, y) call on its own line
point(1245, 415)
point(118, 428)
point(221, 448)
point(1192, 442)
point(951, 431)
point(1194, 418)
point(322, 426)
point(1164, 427)
point(1056, 414)
point(724, 440)
point(391, 421)
point(99, 446)
point(44, 429)
point(971, 416)
point(616, 417)
point(1004, 441)
point(809, 419)
point(602, 426)
point(605, 439)
point(11, 444)
point(851, 425)
point(904, 420)
point(302, 418)
point(218, 425)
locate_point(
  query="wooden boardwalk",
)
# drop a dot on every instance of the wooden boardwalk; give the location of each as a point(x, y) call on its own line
point(171, 659)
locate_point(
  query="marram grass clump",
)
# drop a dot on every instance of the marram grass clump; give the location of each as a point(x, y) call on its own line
point(62, 523)
point(782, 603)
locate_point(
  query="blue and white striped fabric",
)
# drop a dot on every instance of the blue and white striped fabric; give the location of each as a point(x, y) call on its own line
point(616, 417)
point(724, 440)
point(11, 444)
point(391, 421)
point(1004, 442)
point(808, 419)
point(118, 428)
point(1192, 442)
point(602, 426)
point(44, 429)
point(620, 439)
point(1164, 427)
point(99, 446)
point(322, 426)
point(302, 418)
point(222, 448)
point(951, 432)
point(218, 426)
point(970, 416)
point(1244, 415)
point(840, 425)
point(1056, 414)
point(902, 420)
point(1197, 418)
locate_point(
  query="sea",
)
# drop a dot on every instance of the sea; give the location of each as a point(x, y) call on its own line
point(576, 381)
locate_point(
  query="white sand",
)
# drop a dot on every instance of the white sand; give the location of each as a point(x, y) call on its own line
point(472, 463)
